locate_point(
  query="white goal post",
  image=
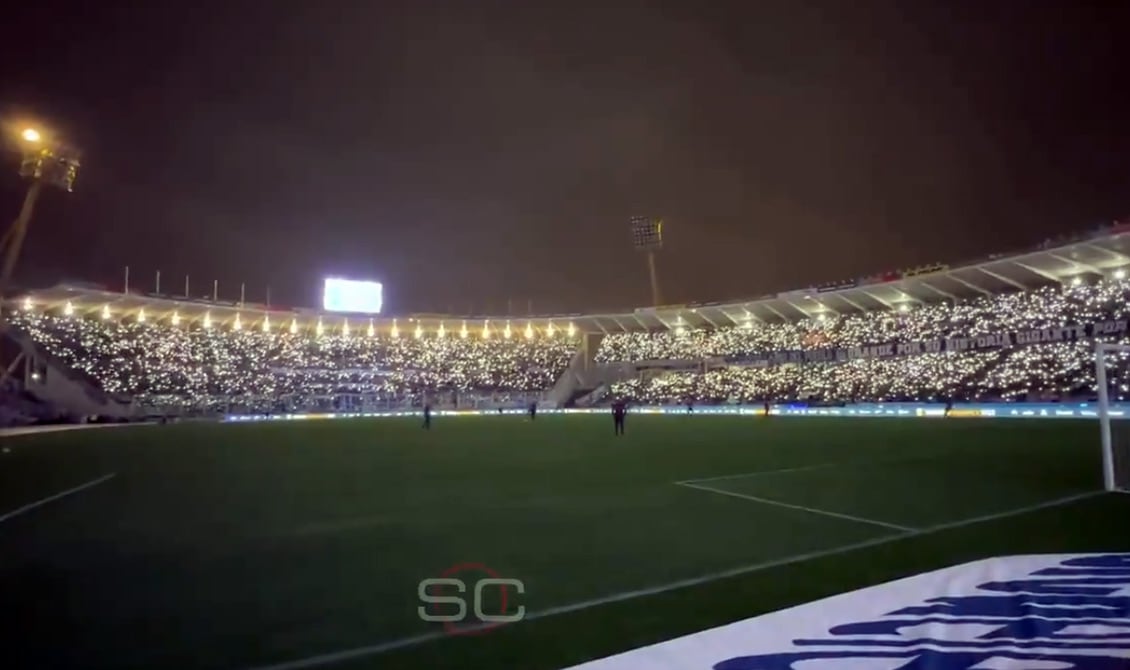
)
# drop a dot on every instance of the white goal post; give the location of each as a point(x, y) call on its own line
point(1110, 362)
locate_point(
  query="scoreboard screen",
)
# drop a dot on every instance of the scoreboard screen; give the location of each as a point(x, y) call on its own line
point(356, 297)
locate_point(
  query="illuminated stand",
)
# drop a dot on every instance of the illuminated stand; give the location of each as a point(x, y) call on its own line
point(647, 236)
point(44, 162)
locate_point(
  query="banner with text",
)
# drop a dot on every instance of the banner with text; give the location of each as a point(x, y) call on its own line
point(1000, 340)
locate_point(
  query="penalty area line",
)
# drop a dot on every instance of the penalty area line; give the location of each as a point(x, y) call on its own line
point(62, 494)
point(758, 473)
point(801, 508)
point(392, 645)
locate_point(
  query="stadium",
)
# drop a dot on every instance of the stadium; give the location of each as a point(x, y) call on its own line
point(262, 493)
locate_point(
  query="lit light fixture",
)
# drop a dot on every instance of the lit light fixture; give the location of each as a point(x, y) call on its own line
point(176, 319)
point(319, 329)
point(105, 311)
point(266, 324)
point(372, 331)
point(1120, 274)
point(486, 330)
point(293, 325)
point(27, 304)
point(237, 324)
point(68, 309)
point(345, 328)
point(463, 331)
point(821, 316)
point(506, 332)
point(529, 331)
point(1077, 281)
point(550, 330)
point(31, 135)
point(572, 329)
point(141, 315)
point(679, 330)
point(419, 331)
point(395, 332)
point(442, 331)
point(207, 319)
point(904, 308)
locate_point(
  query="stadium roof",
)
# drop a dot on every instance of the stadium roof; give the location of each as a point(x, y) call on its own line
point(1087, 258)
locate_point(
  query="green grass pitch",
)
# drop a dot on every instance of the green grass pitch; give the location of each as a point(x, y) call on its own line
point(251, 545)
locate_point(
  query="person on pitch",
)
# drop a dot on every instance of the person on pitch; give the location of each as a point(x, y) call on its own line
point(533, 411)
point(427, 416)
point(619, 410)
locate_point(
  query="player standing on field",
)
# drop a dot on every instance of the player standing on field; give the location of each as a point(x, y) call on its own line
point(619, 410)
point(427, 416)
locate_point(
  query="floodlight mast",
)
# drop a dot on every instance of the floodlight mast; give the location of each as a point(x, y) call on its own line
point(647, 236)
point(44, 161)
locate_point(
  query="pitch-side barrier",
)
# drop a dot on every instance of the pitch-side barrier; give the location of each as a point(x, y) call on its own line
point(909, 410)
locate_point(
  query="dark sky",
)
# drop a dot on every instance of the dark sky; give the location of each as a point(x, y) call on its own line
point(471, 153)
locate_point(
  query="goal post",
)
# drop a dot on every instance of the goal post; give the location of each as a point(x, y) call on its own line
point(1114, 425)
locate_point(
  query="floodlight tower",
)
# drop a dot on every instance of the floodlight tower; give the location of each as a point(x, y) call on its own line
point(45, 161)
point(647, 236)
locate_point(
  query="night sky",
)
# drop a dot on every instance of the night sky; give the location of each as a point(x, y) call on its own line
point(478, 153)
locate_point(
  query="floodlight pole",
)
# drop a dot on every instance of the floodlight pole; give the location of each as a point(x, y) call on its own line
point(655, 301)
point(44, 162)
point(14, 237)
point(647, 236)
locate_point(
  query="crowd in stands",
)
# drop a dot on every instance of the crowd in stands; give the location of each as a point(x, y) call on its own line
point(1025, 372)
point(165, 366)
point(1043, 308)
point(161, 365)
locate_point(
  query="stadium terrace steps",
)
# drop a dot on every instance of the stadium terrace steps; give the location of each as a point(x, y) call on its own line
point(52, 382)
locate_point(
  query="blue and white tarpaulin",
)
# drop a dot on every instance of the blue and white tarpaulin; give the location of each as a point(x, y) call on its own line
point(1046, 612)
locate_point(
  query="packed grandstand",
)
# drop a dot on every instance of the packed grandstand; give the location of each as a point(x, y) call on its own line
point(1030, 343)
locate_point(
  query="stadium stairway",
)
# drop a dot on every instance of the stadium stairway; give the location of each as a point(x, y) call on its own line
point(51, 381)
point(592, 397)
point(565, 389)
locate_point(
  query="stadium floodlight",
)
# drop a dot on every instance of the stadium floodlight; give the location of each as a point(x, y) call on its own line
point(44, 161)
point(1112, 368)
point(647, 237)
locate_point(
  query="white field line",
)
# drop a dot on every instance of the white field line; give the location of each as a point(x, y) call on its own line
point(758, 473)
point(39, 430)
point(391, 645)
point(802, 508)
point(62, 494)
